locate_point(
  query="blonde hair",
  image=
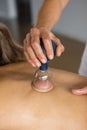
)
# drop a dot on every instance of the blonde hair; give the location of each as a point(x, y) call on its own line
point(10, 51)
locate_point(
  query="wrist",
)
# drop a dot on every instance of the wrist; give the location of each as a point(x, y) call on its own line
point(43, 27)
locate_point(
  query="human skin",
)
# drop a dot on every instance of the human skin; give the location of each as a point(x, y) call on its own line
point(48, 16)
point(23, 108)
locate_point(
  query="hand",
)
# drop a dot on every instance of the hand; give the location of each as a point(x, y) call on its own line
point(81, 91)
point(32, 48)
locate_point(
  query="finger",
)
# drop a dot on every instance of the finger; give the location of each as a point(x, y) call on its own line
point(28, 39)
point(81, 91)
point(35, 43)
point(29, 54)
point(32, 56)
point(48, 45)
point(24, 44)
point(26, 54)
point(59, 50)
point(60, 47)
point(27, 57)
point(38, 51)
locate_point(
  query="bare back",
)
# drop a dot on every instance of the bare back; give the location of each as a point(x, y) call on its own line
point(22, 108)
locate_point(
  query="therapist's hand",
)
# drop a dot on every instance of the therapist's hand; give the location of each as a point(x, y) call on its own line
point(81, 91)
point(32, 48)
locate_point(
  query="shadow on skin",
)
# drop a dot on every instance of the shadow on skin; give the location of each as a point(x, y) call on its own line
point(18, 76)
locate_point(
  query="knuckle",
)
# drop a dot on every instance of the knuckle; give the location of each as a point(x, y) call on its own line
point(59, 41)
point(39, 55)
point(34, 31)
point(33, 59)
point(53, 36)
point(46, 36)
point(34, 44)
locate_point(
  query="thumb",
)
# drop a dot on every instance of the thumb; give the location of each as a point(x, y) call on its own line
point(81, 91)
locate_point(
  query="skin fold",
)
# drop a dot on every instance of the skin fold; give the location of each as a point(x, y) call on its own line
point(22, 108)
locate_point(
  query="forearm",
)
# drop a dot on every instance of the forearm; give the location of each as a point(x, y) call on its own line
point(48, 16)
point(50, 13)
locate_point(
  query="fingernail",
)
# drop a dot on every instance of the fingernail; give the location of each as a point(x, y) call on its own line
point(77, 91)
point(44, 60)
point(38, 64)
point(51, 57)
